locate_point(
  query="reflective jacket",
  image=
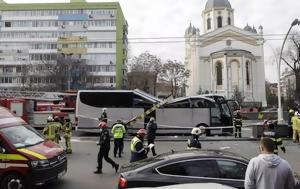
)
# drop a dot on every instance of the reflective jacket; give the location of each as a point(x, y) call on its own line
point(51, 131)
point(294, 121)
point(67, 128)
point(138, 152)
point(237, 121)
point(118, 130)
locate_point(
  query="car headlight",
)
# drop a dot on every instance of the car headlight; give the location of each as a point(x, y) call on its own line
point(40, 163)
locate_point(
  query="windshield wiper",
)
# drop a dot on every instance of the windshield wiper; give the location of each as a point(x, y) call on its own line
point(29, 145)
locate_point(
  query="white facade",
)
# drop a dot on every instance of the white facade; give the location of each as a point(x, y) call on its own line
point(225, 58)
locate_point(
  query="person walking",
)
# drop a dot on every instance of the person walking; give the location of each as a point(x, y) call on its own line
point(267, 170)
point(103, 116)
point(151, 134)
point(271, 133)
point(237, 122)
point(194, 142)
point(67, 131)
point(295, 121)
point(118, 130)
point(138, 151)
point(104, 143)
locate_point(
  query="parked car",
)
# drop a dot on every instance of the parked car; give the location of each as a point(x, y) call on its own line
point(196, 166)
point(194, 186)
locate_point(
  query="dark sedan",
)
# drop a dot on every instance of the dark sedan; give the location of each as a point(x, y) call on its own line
point(197, 166)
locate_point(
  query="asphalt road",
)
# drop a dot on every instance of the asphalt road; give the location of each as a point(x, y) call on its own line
point(83, 161)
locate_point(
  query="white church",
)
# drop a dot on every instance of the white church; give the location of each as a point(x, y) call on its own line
point(223, 58)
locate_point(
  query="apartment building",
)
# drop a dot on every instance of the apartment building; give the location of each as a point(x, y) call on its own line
point(60, 46)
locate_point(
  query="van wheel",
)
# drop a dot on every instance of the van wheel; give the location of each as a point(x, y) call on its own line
point(13, 181)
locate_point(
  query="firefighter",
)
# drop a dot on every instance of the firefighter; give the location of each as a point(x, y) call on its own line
point(104, 143)
point(118, 130)
point(103, 116)
point(51, 131)
point(295, 120)
point(67, 130)
point(138, 151)
point(194, 143)
point(298, 127)
point(271, 133)
point(57, 122)
point(237, 122)
point(290, 123)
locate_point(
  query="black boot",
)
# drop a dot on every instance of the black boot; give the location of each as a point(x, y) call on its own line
point(116, 167)
point(99, 171)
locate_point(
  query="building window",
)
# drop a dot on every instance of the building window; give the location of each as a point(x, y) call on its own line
point(208, 23)
point(247, 73)
point(229, 21)
point(219, 22)
point(7, 24)
point(219, 73)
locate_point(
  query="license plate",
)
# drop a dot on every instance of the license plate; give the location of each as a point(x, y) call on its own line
point(61, 174)
point(216, 131)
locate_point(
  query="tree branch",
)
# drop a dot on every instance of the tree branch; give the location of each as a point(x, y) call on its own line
point(288, 63)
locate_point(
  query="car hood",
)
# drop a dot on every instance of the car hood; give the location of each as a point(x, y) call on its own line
point(194, 186)
point(44, 150)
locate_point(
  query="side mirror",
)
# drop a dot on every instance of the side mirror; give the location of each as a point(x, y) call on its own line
point(2, 150)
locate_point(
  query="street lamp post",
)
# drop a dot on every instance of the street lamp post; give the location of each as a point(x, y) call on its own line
point(279, 111)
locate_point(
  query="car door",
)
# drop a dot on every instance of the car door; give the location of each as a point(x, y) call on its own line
point(191, 171)
point(232, 172)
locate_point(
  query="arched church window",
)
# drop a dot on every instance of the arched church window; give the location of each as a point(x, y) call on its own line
point(229, 21)
point(220, 22)
point(219, 73)
point(247, 73)
point(208, 23)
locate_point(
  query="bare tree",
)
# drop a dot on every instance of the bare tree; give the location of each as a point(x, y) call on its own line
point(147, 62)
point(292, 60)
point(175, 73)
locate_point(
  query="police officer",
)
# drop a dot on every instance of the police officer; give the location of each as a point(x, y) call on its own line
point(151, 133)
point(194, 142)
point(138, 151)
point(104, 143)
point(271, 133)
point(52, 129)
point(237, 122)
point(118, 130)
point(103, 116)
point(67, 130)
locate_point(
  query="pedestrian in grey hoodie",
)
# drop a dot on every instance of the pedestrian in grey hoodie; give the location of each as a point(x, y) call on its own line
point(268, 171)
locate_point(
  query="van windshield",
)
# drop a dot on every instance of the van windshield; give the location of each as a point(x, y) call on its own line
point(22, 136)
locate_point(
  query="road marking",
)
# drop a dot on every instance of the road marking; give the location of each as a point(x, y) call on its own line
point(224, 148)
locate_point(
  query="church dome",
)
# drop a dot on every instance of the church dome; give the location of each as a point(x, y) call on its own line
point(217, 3)
point(248, 28)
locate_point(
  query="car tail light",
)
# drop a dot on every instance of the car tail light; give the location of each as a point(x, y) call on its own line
point(123, 183)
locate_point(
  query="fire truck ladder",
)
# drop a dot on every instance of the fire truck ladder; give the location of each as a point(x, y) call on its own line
point(32, 95)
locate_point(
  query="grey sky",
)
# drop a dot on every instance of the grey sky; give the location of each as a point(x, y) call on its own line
point(170, 18)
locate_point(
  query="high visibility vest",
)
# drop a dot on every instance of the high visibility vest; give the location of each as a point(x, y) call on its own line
point(118, 131)
point(133, 144)
point(51, 130)
point(67, 128)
